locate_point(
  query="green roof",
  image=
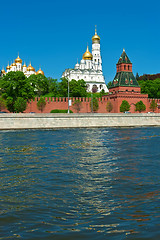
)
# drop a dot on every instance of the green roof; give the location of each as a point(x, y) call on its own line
point(124, 58)
point(124, 79)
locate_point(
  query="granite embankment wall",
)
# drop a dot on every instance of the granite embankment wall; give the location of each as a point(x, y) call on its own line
point(46, 121)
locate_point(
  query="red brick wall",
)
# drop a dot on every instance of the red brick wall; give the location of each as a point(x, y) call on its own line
point(116, 100)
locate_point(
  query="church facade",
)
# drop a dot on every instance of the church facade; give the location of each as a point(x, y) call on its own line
point(90, 68)
point(17, 66)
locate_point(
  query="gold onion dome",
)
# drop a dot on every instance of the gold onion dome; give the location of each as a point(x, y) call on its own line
point(87, 55)
point(30, 68)
point(95, 38)
point(24, 65)
point(8, 67)
point(18, 60)
point(3, 71)
point(40, 72)
point(13, 64)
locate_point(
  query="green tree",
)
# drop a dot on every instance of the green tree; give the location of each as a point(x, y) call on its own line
point(76, 88)
point(40, 84)
point(153, 105)
point(109, 84)
point(94, 103)
point(2, 103)
point(109, 107)
point(14, 85)
point(150, 87)
point(53, 87)
point(137, 76)
point(125, 106)
point(77, 105)
point(41, 104)
point(20, 105)
point(140, 106)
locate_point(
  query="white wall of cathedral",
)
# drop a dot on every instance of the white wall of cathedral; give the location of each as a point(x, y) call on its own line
point(19, 66)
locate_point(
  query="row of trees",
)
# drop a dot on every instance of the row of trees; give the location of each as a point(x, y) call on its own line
point(139, 106)
point(16, 88)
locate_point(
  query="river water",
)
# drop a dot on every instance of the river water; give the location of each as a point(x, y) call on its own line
point(71, 184)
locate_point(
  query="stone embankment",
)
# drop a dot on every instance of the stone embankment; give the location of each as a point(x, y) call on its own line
point(10, 121)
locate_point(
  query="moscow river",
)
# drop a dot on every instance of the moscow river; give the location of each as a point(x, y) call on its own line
point(73, 184)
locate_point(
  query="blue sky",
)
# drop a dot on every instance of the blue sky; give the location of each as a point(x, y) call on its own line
point(53, 34)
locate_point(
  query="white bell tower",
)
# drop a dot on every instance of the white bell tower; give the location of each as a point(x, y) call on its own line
point(96, 52)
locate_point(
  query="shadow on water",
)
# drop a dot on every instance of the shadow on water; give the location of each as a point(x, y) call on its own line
point(80, 184)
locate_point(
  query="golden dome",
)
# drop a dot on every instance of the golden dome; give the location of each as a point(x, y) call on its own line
point(14, 64)
point(95, 38)
point(18, 59)
point(24, 65)
point(87, 55)
point(40, 72)
point(30, 68)
point(3, 71)
point(8, 67)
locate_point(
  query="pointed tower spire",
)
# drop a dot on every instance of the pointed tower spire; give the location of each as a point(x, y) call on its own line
point(95, 29)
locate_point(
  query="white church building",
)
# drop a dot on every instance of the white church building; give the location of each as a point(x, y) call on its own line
point(90, 68)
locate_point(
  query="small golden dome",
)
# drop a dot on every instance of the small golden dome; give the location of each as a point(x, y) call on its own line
point(24, 65)
point(8, 67)
point(30, 68)
point(87, 55)
point(95, 38)
point(14, 64)
point(18, 59)
point(40, 72)
point(3, 71)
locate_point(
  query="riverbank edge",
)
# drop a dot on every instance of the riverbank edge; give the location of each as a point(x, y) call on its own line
point(13, 121)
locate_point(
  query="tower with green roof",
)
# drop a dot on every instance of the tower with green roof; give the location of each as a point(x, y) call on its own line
point(124, 79)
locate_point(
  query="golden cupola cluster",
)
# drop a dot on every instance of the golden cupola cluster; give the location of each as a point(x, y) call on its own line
point(87, 55)
point(17, 66)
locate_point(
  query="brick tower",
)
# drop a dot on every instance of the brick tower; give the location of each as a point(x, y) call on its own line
point(124, 79)
point(125, 86)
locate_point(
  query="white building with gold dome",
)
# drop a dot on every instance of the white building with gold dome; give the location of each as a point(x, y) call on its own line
point(90, 68)
point(17, 66)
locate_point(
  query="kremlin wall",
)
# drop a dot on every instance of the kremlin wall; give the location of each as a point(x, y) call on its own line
point(116, 100)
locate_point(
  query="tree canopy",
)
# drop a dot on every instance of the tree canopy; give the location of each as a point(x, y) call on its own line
point(153, 105)
point(76, 88)
point(125, 106)
point(14, 85)
point(140, 106)
point(150, 87)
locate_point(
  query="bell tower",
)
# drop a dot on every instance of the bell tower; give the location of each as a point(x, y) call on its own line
point(96, 52)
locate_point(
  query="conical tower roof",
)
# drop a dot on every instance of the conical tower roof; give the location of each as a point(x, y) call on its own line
point(124, 58)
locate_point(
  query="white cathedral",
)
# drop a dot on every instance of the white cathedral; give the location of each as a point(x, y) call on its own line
point(17, 66)
point(90, 68)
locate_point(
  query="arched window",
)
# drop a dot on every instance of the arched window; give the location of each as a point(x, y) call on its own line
point(124, 67)
point(128, 67)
